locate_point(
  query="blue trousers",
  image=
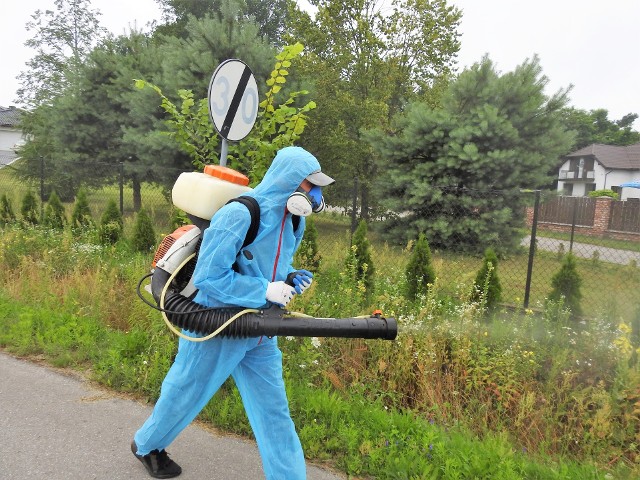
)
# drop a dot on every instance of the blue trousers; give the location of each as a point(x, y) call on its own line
point(200, 368)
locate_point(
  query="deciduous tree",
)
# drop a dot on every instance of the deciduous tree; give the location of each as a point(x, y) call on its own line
point(366, 59)
point(62, 38)
point(594, 126)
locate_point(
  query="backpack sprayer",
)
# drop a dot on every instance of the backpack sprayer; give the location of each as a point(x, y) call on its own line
point(200, 195)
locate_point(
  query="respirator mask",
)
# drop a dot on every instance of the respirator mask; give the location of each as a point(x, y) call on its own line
point(303, 203)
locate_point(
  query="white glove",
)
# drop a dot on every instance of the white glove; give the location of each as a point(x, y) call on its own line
point(280, 293)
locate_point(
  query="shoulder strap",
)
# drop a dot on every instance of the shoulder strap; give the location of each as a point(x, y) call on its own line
point(254, 209)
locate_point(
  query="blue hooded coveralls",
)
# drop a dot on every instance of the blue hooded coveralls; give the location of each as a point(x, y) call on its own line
point(200, 368)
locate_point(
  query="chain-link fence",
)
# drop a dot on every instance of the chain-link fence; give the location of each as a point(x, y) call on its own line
point(104, 183)
point(602, 233)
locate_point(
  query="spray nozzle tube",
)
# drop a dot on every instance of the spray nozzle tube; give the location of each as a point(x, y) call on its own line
point(181, 312)
point(273, 321)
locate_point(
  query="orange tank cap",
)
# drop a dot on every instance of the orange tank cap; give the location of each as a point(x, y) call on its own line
point(227, 174)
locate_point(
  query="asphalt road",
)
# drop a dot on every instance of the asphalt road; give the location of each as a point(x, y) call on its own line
point(585, 250)
point(57, 427)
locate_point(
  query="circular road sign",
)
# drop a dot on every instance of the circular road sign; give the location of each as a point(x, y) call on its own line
point(233, 99)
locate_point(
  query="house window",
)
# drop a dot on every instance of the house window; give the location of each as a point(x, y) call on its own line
point(589, 187)
point(567, 189)
point(588, 164)
point(617, 190)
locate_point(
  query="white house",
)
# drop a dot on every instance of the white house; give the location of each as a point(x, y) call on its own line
point(10, 134)
point(599, 167)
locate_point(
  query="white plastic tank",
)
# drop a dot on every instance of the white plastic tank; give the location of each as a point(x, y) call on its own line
point(202, 194)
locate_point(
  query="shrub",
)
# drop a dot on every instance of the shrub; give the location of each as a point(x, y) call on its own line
point(604, 193)
point(179, 218)
point(566, 285)
point(635, 328)
point(307, 255)
point(54, 216)
point(29, 209)
point(487, 287)
point(144, 236)
point(111, 224)
point(6, 211)
point(419, 272)
point(360, 255)
point(81, 217)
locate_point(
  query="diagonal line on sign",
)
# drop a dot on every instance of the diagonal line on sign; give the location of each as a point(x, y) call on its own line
point(235, 102)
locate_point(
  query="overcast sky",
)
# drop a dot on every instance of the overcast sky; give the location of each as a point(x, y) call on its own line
point(592, 44)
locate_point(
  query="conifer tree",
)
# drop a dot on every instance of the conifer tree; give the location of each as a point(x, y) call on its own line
point(450, 160)
point(307, 256)
point(29, 209)
point(7, 216)
point(54, 216)
point(566, 285)
point(144, 235)
point(419, 272)
point(111, 224)
point(361, 248)
point(487, 285)
point(81, 217)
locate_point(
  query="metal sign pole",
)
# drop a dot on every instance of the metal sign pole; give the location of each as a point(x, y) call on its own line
point(224, 149)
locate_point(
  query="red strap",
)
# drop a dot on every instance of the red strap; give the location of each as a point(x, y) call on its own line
point(275, 264)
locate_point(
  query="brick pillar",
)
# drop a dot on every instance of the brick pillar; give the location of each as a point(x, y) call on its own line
point(602, 214)
point(529, 215)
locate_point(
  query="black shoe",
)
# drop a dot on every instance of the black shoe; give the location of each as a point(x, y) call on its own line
point(157, 463)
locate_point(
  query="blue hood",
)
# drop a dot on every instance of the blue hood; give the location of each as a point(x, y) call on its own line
point(269, 258)
point(287, 171)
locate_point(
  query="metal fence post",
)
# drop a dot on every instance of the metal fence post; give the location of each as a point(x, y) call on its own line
point(41, 186)
point(532, 248)
point(121, 188)
point(354, 206)
point(573, 222)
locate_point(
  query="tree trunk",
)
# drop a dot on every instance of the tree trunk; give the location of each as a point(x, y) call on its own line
point(364, 204)
point(137, 193)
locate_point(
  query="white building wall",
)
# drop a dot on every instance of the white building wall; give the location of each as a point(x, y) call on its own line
point(601, 178)
point(624, 176)
point(9, 137)
point(565, 166)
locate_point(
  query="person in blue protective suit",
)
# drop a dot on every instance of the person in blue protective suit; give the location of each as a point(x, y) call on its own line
point(292, 185)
